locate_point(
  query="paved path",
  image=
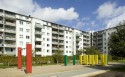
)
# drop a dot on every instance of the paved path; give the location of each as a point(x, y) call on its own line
point(74, 73)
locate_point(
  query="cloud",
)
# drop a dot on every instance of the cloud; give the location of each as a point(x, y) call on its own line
point(33, 8)
point(85, 23)
point(111, 14)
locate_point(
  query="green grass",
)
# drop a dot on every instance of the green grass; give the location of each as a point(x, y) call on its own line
point(119, 61)
point(120, 69)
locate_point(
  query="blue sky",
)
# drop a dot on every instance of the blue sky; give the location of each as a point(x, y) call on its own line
point(81, 14)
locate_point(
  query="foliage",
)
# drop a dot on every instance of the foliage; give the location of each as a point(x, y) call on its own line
point(92, 51)
point(117, 42)
point(58, 56)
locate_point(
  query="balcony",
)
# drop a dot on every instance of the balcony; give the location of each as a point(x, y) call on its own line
point(38, 46)
point(38, 25)
point(61, 28)
point(54, 32)
point(61, 38)
point(1, 29)
point(54, 48)
point(54, 42)
point(10, 45)
point(38, 32)
point(1, 44)
point(56, 27)
point(38, 39)
point(53, 37)
point(1, 14)
point(10, 38)
point(77, 34)
point(1, 37)
point(61, 33)
point(10, 23)
point(1, 22)
point(10, 30)
point(10, 16)
point(61, 43)
point(61, 48)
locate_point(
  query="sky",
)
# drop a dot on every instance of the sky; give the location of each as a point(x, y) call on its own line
point(85, 15)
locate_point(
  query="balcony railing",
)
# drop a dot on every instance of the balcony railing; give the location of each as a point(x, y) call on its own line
point(38, 46)
point(11, 24)
point(1, 37)
point(54, 42)
point(38, 25)
point(61, 33)
point(55, 27)
point(10, 38)
point(1, 14)
point(61, 38)
point(54, 32)
point(1, 29)
point(10, 30)
point(1, 22)
point(10, 16)
point(38, 39)
point(53, 37)
point(9, 45)
point(38, 32)
point(54, 48)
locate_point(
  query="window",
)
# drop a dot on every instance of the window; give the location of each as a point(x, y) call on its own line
point(69, 46)
point(48, 34)
point(66, 46)
point(21, 43)
point(27, 37)
point(66, 41)
point(43, 39)
point(47, 45)
point(21, 29)
point(21, 36)
point(21, 22)
point(27, 30)
point(69, 37)
point(66, 51)
point(69, 51)
point(66, 32)
point(47, 39)
point(48, 51)
point(66, 36)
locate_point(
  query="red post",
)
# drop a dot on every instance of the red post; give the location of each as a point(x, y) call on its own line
point(19, 58)
point(28, 58)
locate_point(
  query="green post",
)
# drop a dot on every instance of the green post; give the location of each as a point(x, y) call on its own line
point(65, 60)
point(74, 59)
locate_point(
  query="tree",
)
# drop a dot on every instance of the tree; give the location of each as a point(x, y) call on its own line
point(92, 51)
point(117, 41)
point(58, 56)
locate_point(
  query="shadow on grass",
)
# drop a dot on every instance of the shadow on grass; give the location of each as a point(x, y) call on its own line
point(113, 70)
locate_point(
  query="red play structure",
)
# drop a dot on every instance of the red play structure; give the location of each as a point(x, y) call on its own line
point(28, 58)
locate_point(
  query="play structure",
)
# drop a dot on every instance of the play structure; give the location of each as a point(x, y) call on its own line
point(28, 58)
point(93, 59)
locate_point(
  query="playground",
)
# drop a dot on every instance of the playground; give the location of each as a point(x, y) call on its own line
point(87, 65)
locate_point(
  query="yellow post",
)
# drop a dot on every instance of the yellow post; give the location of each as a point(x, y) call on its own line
point(86, 59)
point(105, 59)
point(96, 59)
point(80, 59)
point(90, 59)
point(93, 62)
point(102, 59)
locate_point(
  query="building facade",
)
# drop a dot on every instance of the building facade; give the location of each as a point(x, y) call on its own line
point(17, 30)
point(100, 39)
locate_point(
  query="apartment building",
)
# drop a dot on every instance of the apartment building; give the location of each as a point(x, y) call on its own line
point(46, 37)
point(101, 38)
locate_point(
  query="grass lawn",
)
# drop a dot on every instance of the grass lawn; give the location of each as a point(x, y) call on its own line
point(120, 69)
point(119, 61)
